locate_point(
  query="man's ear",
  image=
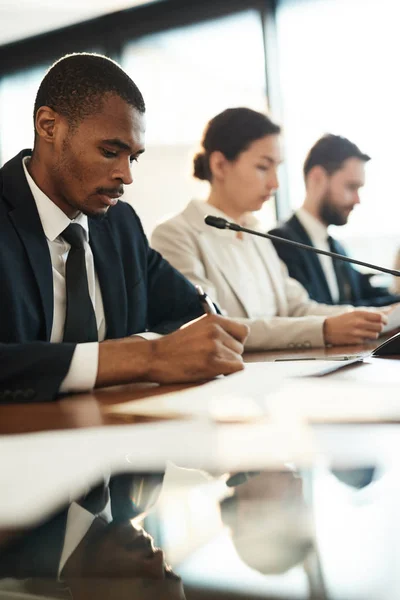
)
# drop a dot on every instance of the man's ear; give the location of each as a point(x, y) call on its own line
point(46, 123)
point(218, 163)
point(317, 178)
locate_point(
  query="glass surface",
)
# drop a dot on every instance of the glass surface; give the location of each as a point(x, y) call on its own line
point(288, 533)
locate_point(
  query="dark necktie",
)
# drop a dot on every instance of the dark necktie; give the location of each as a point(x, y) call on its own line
point(80, 319)
point(340, 272)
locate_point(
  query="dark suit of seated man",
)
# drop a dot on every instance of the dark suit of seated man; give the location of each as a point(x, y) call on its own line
point(334, 171)
point(62, 295)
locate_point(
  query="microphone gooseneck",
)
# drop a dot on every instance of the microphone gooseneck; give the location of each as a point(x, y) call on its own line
point(221, 223)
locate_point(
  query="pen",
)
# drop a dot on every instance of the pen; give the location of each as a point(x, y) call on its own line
point(290, 359)
point(206, 303)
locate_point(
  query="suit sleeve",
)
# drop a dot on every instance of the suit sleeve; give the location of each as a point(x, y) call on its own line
point(373, 295)
point(364, 293)
point(171, 299)
point(33, 372)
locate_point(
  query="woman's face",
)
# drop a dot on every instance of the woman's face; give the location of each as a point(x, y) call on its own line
point(251, 179)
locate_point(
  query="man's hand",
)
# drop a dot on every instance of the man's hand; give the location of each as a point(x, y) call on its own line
point(356, 327)
point(209, 346)
point(202, 349)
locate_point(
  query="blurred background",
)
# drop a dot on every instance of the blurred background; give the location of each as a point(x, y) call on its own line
point(316, 66)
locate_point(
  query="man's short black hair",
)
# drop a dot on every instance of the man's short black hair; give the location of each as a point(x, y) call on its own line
point(330, 152)
point(76, 84)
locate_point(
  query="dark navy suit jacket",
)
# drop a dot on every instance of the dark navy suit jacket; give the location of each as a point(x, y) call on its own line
point(140, 289)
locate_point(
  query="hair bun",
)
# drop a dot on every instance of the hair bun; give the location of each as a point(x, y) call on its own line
point(199, 166)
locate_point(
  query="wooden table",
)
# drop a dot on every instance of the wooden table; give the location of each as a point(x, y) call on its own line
point(87, 410)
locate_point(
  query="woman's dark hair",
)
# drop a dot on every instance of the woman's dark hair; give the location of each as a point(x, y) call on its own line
point(231, 132)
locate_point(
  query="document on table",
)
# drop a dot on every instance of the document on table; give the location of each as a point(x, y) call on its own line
point(337, 401)
point(289, 390)
point(238, 398)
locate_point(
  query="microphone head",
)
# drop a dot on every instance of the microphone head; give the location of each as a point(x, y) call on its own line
point(218, 222)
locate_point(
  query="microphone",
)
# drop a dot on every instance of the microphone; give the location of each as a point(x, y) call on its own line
point(221, 223)
point(389, 348)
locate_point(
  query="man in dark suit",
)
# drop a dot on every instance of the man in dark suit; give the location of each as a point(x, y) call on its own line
point(76, 268)
point(75, 265)
point(334, 172)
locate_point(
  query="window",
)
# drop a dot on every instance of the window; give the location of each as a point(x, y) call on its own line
point(338, 64)
point(187, 76)
point(17, 98)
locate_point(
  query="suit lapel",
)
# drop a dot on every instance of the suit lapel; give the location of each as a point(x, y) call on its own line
point(111, 276)
point(304, 238)
point(216, 243)
point(28, 226)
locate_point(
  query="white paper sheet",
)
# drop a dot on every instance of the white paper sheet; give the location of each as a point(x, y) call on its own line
point(239, 397)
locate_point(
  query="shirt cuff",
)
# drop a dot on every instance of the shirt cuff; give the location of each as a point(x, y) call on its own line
point(148, 335)
point(82, 373)
point(79, 521)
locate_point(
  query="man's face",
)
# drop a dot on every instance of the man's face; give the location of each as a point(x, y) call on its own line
point(342, 192)
point(92, 162)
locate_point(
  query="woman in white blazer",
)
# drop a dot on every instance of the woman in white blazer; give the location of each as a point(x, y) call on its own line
point(242, 273)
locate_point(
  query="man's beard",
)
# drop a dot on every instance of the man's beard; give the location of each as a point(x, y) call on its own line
point(330, 214)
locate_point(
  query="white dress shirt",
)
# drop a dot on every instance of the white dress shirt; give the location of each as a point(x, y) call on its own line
point(82, 372)
point(83, 368)
point(318, 234)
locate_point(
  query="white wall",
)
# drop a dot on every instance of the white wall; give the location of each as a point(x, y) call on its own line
point(163, 184)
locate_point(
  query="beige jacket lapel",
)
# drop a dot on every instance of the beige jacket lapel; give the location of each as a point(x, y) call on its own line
point(273, 266)
point(215, 244)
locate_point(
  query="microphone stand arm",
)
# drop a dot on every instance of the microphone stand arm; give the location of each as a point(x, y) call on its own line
point(235, 227)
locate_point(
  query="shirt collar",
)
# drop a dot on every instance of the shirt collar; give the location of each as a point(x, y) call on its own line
point(53, 219)
point(315, 229)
